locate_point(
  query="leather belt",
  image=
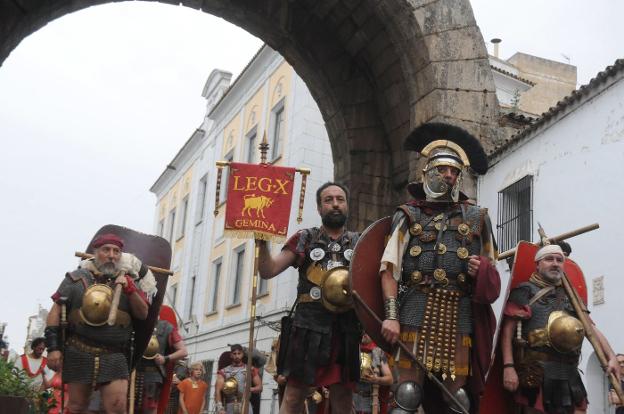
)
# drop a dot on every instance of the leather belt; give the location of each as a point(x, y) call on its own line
point(85, 345)
point(305, 298)
point(428, 288)
point(534, 355)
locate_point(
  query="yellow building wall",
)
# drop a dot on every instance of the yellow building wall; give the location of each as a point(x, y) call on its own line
point(230, 135)
point(254, 110)
point(279, 88)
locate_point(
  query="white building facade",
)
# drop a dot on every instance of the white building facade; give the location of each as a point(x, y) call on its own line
point(566, 172)
point(211, 285)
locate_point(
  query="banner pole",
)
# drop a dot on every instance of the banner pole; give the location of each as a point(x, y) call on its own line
point(264, 147)
point(252, 321)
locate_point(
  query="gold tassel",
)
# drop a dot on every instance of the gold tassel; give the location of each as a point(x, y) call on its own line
point(304, 178)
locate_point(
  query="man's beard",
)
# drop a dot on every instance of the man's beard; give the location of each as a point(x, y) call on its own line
point(334, 219)
point(552, 275)
point(107, 268)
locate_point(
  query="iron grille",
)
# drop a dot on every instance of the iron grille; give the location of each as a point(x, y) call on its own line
point(515, 213)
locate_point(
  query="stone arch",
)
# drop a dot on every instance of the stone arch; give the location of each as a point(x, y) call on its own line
point(377, 69)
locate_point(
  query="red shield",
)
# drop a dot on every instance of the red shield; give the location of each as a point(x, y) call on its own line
point(495, 399)
point(167, 314)
point(152, 251)
point(364, 277)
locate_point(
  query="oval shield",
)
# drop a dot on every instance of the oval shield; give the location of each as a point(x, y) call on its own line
point(364, 278)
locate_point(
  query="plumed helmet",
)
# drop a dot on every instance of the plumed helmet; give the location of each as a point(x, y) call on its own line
point(96, 304)
point(444, 145)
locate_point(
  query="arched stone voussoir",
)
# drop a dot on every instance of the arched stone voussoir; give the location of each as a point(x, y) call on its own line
point(376, 68)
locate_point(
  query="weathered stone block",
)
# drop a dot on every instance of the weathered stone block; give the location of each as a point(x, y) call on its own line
point(468, 74)
point(384, 61)
point(459, 44)
point(444, 15)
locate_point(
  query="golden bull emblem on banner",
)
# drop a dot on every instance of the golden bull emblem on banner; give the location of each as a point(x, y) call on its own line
point(257, 203)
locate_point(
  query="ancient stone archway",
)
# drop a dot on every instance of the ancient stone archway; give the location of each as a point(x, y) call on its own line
point(377, 69)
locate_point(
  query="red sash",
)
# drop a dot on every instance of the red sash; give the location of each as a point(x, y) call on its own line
point(26, 366)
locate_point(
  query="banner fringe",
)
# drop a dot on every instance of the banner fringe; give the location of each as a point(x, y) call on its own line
point(250, 234)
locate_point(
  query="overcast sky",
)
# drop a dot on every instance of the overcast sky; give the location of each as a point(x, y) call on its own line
point(95, 104)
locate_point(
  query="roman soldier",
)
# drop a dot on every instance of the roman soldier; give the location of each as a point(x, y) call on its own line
point(321, 347)
point(95, 352)
point(230, 386)
point(541, 341)
point(438, 277)
point(371, 394)
point(165, 346)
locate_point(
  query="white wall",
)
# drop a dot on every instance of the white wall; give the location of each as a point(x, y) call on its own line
point(578, 166)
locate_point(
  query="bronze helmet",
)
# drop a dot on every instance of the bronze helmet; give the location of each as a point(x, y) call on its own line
point(565, 332)
point(366, 364)
point(96, 304)
point(152, 348)
point(335, 292)
point(317, 397)
point(230, 386)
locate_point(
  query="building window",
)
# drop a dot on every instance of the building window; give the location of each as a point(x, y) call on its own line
point(252, 147)
point(263, 286)
point(225, 178)
point(515, 213)
point(161, 228)
point(172, 215)
point(201, 199)
point(237, 269)
point(277, 130)
point(191, 299)
point(174, 295)
point(216, 271)
point(182, 221)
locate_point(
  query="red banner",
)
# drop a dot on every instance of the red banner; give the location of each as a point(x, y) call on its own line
point(259, 197)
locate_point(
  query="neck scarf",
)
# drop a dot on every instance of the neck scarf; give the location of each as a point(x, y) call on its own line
point(539, 281)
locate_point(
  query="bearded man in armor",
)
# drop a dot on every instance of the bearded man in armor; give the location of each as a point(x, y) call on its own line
point(541, 342)
point(95, 353)
point(165, 345)
point(231, 381)
point(438, 278)
point(321, 349)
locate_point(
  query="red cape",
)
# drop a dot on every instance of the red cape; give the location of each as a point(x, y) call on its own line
point(486, 291)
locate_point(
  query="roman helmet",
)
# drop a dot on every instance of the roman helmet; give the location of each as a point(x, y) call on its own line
point(230, 386)
point(366, 364)
point(444, 145)
point(565, 332)
point(96, 304)
point(152, 347)
point(335, 291)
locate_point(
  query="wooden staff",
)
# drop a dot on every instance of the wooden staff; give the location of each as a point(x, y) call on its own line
point(131, 397)
point(582, 312)
point(112, 315)
point(563, 236)
point(409, 353)
point(375, 399)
